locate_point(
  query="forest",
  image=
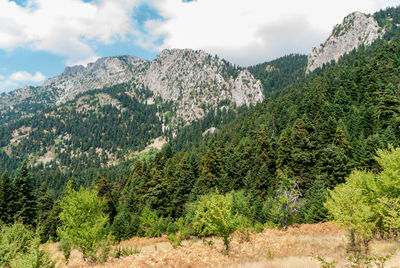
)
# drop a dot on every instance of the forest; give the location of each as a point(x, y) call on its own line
point(318, 148)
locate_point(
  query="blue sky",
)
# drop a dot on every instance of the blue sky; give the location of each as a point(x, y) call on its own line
point(38, 38)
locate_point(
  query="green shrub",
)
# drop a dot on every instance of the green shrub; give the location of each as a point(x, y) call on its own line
point(34, 258)
point(14, 240)
point(368, 203)
point(153, 226)
point(65, 247)
point(125, 251)
point(18, 248)
point(213, 214)
point(149, 223)
point(179, 232)
point(83, 222)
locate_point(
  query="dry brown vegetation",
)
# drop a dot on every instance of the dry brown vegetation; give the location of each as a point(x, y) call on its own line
point(298, 246)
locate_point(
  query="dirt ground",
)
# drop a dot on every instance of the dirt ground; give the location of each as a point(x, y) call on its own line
point(298, 246)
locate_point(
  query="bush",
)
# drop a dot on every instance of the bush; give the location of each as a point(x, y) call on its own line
point(18, 248)
point(149, 223)
point(368, 203)
point(83, 222)
point(213, 214)
point(125, 251)
point(153, 226)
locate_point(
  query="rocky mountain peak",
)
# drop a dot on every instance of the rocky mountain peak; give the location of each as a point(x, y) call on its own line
point(104, 72)
point(197, 83)
point(356, 29)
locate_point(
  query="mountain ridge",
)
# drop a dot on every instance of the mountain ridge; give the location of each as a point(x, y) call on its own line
point(183, 76)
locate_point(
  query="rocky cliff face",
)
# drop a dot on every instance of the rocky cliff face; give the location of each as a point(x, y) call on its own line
point(196, 83)
point(356, 29)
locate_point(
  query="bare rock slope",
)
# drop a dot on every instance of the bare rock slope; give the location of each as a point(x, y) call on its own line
point(196, 83)
point(356, 29)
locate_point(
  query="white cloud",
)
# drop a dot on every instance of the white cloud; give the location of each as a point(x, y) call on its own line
point(65, 27)
point(251, 31)
point(23, 76)
point(83, 62)
point(20, 79)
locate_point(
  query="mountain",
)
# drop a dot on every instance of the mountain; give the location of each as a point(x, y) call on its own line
point(357, 29)
point(194, 81)
point(105, 72)
point(98, 115)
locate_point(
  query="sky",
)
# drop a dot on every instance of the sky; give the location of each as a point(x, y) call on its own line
point(39, 38)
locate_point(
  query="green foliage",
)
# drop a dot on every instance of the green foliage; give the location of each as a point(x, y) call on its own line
point(181, 232)
point(357, 260)
point(312, 210)
point(65, 247)
point(35, 258)
point(287, 201)
point(125, 251)
point(19, 248)
point(149, 223)
point(46, 219)
point(83, 220)
point(7, 199)
point(350, 206)
point(26, 207)
point(326, 264)
point(368, 203)
point(126, 224)
point(213, 214)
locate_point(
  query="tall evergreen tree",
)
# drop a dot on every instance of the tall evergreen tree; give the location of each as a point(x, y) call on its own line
point(105, 190)
point(45, 206)
point(7, 199)
point(26, 206)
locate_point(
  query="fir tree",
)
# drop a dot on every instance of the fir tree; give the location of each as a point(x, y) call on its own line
point(45, 206)
point(26, 207)
point(7, 199)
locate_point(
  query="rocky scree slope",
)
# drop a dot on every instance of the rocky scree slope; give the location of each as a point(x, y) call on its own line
point(357, 29)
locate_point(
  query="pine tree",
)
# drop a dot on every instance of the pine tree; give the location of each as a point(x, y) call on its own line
point(185, 179)
point(105, 190)
point(7, 199)
point(341, 142)
point(284, 150)
point(26, 207)
point(45, 206)
point(211, 170)
point(301, 155)
point(333, 165)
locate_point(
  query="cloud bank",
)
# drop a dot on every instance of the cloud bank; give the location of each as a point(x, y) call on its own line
point(244, 32)
point(69, 28)
point(252, 31)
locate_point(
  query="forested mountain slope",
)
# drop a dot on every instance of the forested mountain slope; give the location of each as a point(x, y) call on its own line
point(314, 132)
point(101, 115)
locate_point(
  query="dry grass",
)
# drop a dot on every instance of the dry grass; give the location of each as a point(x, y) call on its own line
point(298, 246)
